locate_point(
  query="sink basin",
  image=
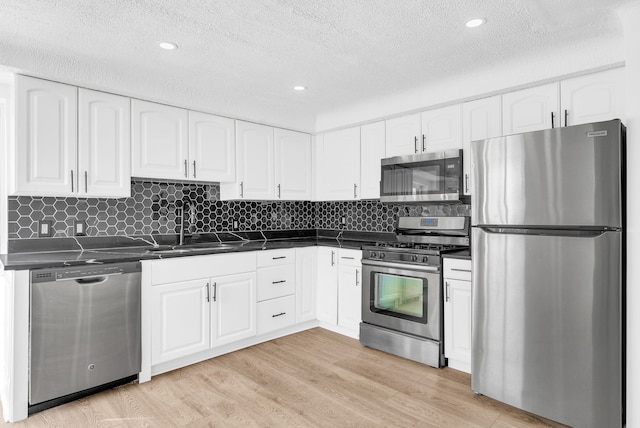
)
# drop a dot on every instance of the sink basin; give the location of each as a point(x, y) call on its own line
point(189, 248)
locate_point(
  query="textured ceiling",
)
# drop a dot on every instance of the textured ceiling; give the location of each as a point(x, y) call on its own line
point(241, 58)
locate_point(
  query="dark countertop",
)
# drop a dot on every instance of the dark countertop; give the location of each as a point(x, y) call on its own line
point(464, 254)
point(52, 259)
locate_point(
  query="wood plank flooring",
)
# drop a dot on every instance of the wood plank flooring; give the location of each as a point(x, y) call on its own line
point(315, 378)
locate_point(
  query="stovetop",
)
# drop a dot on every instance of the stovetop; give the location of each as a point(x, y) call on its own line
point(430, 248)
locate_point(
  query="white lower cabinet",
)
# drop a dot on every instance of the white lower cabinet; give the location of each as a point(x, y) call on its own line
point(180, 316)
point(340, 289)
point(233, 309)
point(276, 313)
point(276, 289)
point(306, 283)
point(457, 313)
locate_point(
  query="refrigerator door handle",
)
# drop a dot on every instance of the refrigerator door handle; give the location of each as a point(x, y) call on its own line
point(578, 233)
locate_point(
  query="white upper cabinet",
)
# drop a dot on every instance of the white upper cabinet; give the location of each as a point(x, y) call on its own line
point(372, 150)
point(70, 141)
point(292, 165)
point(212, 153)
point(160, 141)
point(404, 135)
point(104, 149)
point(531, 109)
point(46, 138)
point(338, 165)
point(593, 98)
point(441, 129)
point(481, 119)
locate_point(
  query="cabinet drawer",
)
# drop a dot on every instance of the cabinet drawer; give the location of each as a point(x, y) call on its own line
point(276, 313)
point(276, 281)
point(276, 257)
point(457, 269)
point(348, 257)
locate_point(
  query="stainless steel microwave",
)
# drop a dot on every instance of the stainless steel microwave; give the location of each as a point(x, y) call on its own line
point(427, 177)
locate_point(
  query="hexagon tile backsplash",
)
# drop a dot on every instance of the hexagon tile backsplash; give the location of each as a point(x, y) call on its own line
point(154, 206)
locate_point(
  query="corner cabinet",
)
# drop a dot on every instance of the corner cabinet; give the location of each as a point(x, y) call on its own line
point(457, 313)
point(372, 150)
point(292, 165)
point(70, 141)
point(338, 161)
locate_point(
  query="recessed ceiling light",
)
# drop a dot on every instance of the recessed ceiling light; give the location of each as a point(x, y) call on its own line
point(168, 46)
point(475, 22)
point(300, 88)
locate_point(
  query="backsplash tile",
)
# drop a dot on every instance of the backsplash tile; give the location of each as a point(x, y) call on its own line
point(154, 206)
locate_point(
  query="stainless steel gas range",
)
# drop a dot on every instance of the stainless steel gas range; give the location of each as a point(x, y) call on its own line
point(402, 305)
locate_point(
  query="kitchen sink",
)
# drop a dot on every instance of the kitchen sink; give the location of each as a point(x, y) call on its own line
point(164, 249)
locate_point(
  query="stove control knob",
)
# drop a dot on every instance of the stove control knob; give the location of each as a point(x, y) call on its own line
point(382, 255)
point(425, 259)
point(414, 258)
point(373, 254)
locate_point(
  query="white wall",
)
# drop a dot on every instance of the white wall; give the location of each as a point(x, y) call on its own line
point(630, 18)
point(475, 83)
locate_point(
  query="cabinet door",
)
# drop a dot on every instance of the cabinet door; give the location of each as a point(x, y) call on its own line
point(593, 98)
point(306, 278)
point(212, 148)
point(457, 324)
point(531, 109)
point(403, 135)
point(372, 149)
point(46, 138)
point(339, 165)
point(233, 309)
point(104, 149)
point(481, 119)
point(180, 314)
point(441, 129)
point(350, 297)
point(255, 160)
point(327, 286)
point(159, 138)
point(292, 165)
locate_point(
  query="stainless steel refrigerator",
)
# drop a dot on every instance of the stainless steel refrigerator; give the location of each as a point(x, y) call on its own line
point(548, 283)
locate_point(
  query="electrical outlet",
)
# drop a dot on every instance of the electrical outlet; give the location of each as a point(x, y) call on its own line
point(343, 221)
point(235, 224)
point(80, 228)
point(44, 228)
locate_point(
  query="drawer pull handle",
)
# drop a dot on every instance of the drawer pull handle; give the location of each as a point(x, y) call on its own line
point(279, 282)
point(278, 315)
point(461, 270)
point(279, 257)
point(348, 258)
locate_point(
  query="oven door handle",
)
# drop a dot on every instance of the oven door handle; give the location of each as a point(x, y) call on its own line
point(434, 269)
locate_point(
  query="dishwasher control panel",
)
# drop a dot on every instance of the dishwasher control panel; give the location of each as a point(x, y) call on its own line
point(74, 272)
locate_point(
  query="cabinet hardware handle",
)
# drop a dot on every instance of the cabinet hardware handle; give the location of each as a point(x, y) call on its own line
point(566, 117)
point(186, 174)
point(415, 143)
point(215, 289)
point(279, 192)
point(466, 183)
point(86, 182)
point(242, 189)
point(357, 273)
point(424, 142)
point(71, 181)
point(348, 258)
point(355, 191)
point(553, 116)
point(446, 291)
point(282, 281)
point(461, 270)
point(333, 262)
point(278, 315)
point(194, 169)
point(278, 258)
point(208, 296)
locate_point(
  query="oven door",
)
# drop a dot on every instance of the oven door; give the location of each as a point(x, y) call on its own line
point(425, 177)
point(403, 298)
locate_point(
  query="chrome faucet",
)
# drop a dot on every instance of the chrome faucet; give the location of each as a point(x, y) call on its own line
point(185, 205)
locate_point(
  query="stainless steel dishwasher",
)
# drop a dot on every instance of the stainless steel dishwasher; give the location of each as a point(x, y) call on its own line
point(84, 331)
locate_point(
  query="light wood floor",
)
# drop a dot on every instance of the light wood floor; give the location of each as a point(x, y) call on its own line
point(311, 379)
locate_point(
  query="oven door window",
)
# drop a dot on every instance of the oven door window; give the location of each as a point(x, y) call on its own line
point(420, 178)
point(400, 296)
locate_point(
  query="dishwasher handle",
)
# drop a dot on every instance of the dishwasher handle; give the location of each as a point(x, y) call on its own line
point(93, 280)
